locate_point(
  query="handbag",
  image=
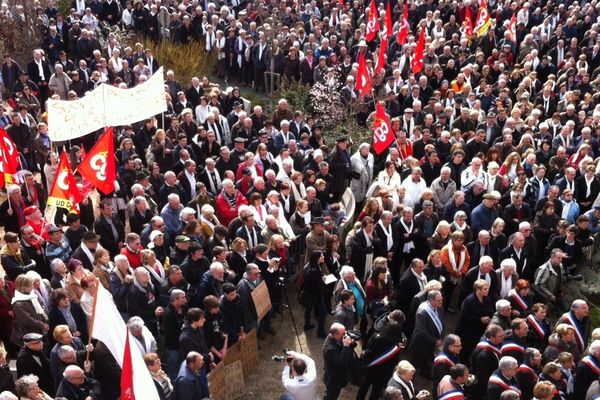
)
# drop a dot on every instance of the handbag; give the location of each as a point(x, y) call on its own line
point(307, 299)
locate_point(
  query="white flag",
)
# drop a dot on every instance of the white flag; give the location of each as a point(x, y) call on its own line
point(109, 327)
point(106, 106)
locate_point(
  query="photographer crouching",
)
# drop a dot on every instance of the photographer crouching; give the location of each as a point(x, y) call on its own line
point(299, 377)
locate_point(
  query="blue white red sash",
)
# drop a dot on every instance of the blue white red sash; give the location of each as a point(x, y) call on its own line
point(391, 352)
point(512, 346)
point(527, 369)
point(490, 347)
point(443, 358)
point(495, 379)
point(520, 300)
point(539, 328)
point(452, 395)
point(579, 334)
point(593, 363)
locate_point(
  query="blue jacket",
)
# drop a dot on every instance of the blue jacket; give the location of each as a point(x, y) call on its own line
point(482, 218)
point(189, 386)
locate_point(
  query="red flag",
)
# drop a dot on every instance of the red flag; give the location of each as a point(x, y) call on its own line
point(512, 28)
point(404, 27)
point(99, 165)
point(417, 61)
point(363, 80)
point(127, 372)
point(468, 23)
point(482, 21)
point(383, 136)
point(11, 154)
point(382, 50)
point(373, 23)
point(387, 26)
point(64, 193)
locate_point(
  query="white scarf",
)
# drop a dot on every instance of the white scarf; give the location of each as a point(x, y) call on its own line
point(87, 252)
point(421, 279)
point(160, 276)
point(505, 285)
point(408, 246)
point(31, 297)
point(410, 389)
point(452, 258)
point(368, 258)
point(40, 66)
point(388, 233)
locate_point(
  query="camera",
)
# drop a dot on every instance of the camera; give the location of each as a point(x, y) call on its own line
point(353, 335)
point(281, 358)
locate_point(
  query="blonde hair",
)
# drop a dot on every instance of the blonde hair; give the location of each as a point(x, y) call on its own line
point(405, 367)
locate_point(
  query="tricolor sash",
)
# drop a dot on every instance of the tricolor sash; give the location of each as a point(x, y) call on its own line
point(539, 328)
point(490, 347)
point(520, 300)
point(527, 369)
point(452, 395)
point(579, 334)
point(495, 379)
point(512, 346)
point(443, 358)
point(391, 352)
point(593, 363)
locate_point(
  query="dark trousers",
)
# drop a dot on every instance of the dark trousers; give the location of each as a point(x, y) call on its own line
point(332, 392)
point(320, 311)
point(376, 378)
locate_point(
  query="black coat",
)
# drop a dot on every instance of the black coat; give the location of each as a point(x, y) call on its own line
point(425, 333)
point(524, 263)
point(89, 388)
point(336, 359)
point(340, 168)
point(469, 279)
point(27, 365)
point(408, 288)
point(55, 317)
point(193, 340)
point(381, 247)
point(107, 239)
point(474, 249)
point(244, 289)
point(143, 305)
point(470, 328)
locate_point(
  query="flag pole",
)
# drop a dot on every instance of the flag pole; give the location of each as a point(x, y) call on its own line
point(87, 354)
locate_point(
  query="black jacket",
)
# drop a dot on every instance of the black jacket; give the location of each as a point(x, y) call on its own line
point(172, 322)
point(90, 387)
point(26, 365)
point(143, 305)
point(192, 339)
point(244, 289)
point(336, 358)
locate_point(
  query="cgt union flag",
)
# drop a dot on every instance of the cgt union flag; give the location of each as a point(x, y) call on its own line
point(64, 193)
point(383, 136)
point(9, 159)
point(99, 166)
point(373, 23)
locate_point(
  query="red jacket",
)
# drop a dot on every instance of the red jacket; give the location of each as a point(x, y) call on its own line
point(225, 212)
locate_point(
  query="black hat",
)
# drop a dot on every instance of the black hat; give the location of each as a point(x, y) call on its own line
point(237, 104)
point(317, 220)
point(239, 140)
point(141, 175)
point(247, 171)
point(443, 115)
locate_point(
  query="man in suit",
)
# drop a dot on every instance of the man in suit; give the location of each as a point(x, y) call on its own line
point(480, 248)
point(491, 128)
point(111, 231)
point(151, 61)
point(428, 333)
point(85, 251)
point(39, 72)
point(260, 58)
point(483, 270)
point(249, 232)
point(337, 355)
point(413, 281)
point(211, 177)
point(516, 251)
point(283, 137)
point(188, 179)
point(545, 102)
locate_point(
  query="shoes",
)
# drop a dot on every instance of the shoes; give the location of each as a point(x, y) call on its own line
point(309, 327)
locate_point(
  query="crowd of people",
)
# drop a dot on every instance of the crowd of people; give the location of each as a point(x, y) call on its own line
point(485, 205)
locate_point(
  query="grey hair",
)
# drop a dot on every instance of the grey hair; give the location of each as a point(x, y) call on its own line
point(502, 304)
point(175, 293)
point(55, 263)
point(346, 269)
point(135, 323)
point(23, 384)
point(119, 258)
point(508, 263)
point(507, 362)
point(64, 351)
point(577, 303)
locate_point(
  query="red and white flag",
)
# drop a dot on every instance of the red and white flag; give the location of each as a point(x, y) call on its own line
point(363, 80)
point(64, 192)
point(373, 23)
point(108, 326)
point(404, 27)
point(99, 166)
point(127, 371)
point(416, 63)
point(381, 58)
point(383, 136)
point(512, 28)
point(9, 159)
point(468, 23)
point(483, 21)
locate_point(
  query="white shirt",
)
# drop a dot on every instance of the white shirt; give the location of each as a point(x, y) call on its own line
point(413, 190)
point(302, 387)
